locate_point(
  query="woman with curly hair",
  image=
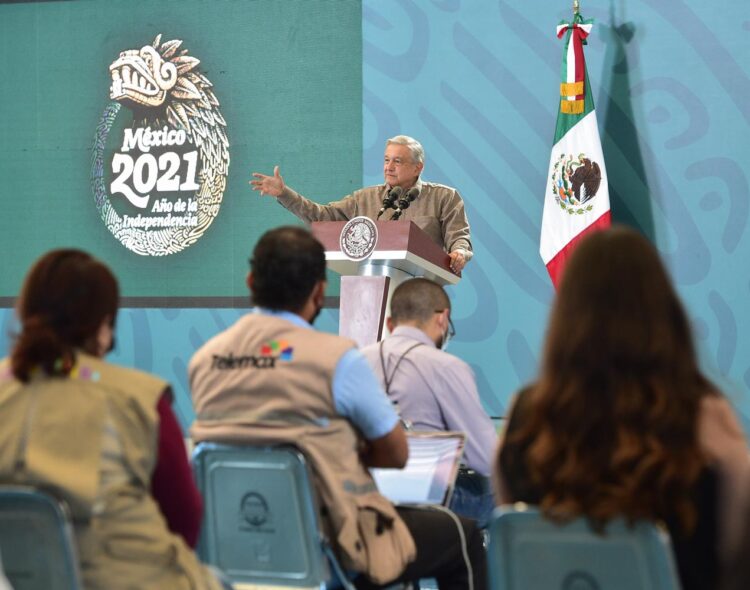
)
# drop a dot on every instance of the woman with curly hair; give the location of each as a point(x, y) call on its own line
point(101, 437)
point(621, 422)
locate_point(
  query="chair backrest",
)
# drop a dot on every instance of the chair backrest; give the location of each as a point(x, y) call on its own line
point(528, 552)
point(36, 541)
point(260, 522)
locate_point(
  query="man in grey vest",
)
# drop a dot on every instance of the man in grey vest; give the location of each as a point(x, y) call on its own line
point(271, 379)
point(434, 390)
point(436, 208)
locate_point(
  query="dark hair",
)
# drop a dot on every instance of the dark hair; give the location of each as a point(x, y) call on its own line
point(287, 263)
point(65, 297)
point(417, 300)
point(611, 428)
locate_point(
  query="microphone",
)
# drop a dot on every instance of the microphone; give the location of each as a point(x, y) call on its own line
point(388, 201)
point(405, 201)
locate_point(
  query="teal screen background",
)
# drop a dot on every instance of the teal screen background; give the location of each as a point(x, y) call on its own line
point(288, 79)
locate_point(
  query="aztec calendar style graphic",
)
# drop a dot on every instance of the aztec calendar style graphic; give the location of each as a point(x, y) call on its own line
point(162, 186)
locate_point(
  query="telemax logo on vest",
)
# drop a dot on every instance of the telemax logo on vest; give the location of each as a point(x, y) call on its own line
point(272, 351)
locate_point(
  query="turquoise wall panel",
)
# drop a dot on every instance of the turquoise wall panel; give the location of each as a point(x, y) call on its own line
point(477, 83)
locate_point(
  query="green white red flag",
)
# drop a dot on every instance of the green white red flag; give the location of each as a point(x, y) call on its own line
point(576, 201)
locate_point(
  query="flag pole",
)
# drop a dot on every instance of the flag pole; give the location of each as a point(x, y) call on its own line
point(576, 200)
point(577, 13)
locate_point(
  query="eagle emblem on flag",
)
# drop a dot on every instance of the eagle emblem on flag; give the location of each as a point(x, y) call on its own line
point(575, 181)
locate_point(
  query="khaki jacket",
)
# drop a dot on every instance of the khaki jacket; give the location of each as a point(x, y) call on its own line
point(246, 389)
point(438, 210)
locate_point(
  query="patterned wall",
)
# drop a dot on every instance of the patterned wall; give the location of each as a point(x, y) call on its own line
point(477, 83)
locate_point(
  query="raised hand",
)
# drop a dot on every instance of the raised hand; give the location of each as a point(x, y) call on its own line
point(268, 185)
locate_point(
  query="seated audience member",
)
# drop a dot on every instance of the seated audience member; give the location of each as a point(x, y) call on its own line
point(271, 378)
point(101, 437)
point(621, 422)
point(434, 390)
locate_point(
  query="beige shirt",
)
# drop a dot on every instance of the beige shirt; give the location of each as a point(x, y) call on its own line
point(438, 210)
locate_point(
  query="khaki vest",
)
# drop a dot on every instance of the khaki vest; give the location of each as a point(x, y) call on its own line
point(267, 381)
point(51, 437)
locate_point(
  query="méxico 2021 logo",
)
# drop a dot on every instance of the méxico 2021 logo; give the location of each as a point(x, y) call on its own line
point(159, 176)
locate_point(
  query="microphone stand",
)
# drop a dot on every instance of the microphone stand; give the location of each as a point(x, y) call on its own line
point(405, 201)
point(390, 199)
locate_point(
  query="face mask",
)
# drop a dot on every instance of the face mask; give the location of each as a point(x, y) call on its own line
point(105, 340)
point(444, 342)
point(318, 309)
point(448, 335)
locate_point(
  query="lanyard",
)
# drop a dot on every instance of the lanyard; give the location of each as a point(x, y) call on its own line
point(388, 380)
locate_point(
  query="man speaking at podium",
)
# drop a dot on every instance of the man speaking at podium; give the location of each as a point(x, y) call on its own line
point(435, 208)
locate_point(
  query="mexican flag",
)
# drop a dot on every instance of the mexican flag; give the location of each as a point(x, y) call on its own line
point(576, 201)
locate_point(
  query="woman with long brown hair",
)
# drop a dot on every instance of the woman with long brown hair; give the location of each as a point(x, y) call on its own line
point(621, 422)
point(101, 437)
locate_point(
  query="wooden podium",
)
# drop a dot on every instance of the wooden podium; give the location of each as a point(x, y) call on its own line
point(402, 251)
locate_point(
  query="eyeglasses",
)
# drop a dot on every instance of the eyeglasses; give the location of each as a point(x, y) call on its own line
point(451, 329)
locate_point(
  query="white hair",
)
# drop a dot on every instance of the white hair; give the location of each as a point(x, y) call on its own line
point(416, 149)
